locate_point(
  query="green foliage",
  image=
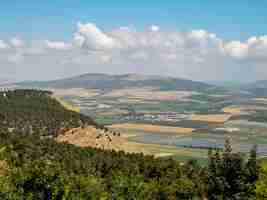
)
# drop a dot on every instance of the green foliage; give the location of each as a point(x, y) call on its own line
point(261, 185)
point(36, 112)
point(43, 180)
point(230, 176)
point(44, 169)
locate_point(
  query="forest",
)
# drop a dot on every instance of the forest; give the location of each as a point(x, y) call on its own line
point(34, 167)
point(36, 112)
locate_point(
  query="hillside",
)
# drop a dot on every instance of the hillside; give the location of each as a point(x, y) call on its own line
point(105, 81)
point(37, 112)
point(91, 137)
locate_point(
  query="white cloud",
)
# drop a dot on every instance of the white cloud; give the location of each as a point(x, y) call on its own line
point(154, 28)
point(92, 38)
point(16, 42)
point(152, 49)
point(257, 47)
point(126, 37)
point(125, 42)
point(236, 49)
point(105, 58)
point(198, 35)
point(254, 48)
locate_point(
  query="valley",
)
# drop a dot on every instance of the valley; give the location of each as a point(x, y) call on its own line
point(190, 119)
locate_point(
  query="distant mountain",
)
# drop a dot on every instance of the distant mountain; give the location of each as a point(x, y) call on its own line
point(257, 88)
point(5, 81)
point(227, 84)
point(258, 84)
point(106, 81)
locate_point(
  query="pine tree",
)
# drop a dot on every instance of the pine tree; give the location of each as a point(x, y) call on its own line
point(252, 165)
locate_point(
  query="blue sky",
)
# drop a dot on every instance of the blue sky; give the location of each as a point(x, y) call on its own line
point(57, 18)
point(201, 40)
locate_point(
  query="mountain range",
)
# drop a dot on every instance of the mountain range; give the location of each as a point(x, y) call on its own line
point(107, 81)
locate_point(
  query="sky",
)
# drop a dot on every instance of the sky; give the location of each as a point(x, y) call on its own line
point(200, 40)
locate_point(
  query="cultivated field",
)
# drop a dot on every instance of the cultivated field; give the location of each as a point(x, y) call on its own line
point(148, 94)
point(165, 150)
point(153, 128)
point(79, 92)
point(142, 116)
point(211, 118)
point(261, 100)
point(233, 110)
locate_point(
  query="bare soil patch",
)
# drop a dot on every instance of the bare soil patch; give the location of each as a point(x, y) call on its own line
point(153, 128)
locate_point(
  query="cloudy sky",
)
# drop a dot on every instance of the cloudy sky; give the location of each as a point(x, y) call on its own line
point(200, 40)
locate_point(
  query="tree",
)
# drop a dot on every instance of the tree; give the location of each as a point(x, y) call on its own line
point(252, 165)
point(261, 185)
point(228, 177)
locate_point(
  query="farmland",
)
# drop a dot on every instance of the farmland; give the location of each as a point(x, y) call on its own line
point(168, 121)
point(153, 128)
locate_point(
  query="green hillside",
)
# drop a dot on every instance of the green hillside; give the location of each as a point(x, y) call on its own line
point(36, 112)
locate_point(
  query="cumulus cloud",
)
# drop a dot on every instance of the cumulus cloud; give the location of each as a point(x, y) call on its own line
point(236, 49)
point(254, 48)
point(257, 47)
point(144, 45)
point(154, 49)
point(89, 36)
point(139, 45)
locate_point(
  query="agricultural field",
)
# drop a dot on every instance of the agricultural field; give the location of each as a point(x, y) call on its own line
point(211, 118)
point(152, 128)
point(177, 121)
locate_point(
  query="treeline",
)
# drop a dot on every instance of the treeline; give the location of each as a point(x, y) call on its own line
point(43, 169)
point(36, 112)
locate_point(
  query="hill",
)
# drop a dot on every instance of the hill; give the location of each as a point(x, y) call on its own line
point(106, 82)
point(37, 112)
point(257, 88)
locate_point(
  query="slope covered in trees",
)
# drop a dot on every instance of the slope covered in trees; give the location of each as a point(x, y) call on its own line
point(43, 169)
point(36, 112)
